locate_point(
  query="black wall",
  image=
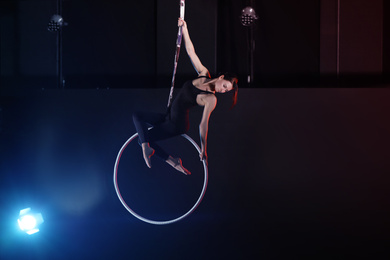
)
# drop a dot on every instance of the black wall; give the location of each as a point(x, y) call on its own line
point(107, 44)
point(386, 39)
point(286, 39)
point(122, 44)
point(293, 173)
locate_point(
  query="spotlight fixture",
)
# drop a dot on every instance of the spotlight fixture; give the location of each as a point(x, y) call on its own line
point(29, 221)
point(248, 16)
point(56, 23)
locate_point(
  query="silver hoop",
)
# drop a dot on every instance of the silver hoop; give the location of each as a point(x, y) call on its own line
point(205, 181)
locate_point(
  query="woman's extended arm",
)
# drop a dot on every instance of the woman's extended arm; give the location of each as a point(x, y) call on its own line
point(210, 101)
point(202, 70)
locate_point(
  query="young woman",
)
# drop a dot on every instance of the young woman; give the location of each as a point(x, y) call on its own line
point(200, 91)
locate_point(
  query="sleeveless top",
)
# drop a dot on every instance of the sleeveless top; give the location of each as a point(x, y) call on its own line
point(183, 102)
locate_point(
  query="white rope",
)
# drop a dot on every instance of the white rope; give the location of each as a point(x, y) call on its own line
point(177, 53)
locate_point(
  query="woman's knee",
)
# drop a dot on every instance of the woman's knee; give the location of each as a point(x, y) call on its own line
point(136, 116)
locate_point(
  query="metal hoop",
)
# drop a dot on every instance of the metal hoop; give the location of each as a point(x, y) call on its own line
point(205, 181)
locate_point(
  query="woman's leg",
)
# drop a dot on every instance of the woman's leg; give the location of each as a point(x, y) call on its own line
point(142, 121)
point(161, 130)
point(164, 131)
point(178, 165)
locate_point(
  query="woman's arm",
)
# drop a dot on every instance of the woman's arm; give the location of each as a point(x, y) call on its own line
point(202, 70)
point(210, 101)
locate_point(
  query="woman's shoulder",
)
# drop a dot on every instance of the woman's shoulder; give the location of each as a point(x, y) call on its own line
point(202, 77)
point(204, 74)
point(210, 100)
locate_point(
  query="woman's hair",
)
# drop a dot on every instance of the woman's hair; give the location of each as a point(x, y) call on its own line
point(234, 80)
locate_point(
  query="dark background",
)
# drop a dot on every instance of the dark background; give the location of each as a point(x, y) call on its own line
point(293, 173)
point(122, 44)
point(297, 170)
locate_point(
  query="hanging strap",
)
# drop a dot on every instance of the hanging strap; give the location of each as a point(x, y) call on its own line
point(178, 45)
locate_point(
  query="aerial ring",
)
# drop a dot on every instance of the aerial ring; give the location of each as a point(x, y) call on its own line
point(155, 222)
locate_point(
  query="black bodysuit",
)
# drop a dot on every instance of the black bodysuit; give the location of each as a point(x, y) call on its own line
point(173, 123)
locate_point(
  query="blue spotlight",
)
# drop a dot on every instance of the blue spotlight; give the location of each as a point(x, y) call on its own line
point(29, 221)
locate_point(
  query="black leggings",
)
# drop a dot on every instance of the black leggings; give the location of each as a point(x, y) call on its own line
point(162, 129)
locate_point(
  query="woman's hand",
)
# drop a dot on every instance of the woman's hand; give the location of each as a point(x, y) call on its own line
point(181, 22)
point(203, 156)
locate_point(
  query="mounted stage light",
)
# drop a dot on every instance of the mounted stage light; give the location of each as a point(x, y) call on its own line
point(56, 23)
point(29, 221)
point(248, 16)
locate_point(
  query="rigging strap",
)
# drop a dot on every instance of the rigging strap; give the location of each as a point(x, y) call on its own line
point(178, 45)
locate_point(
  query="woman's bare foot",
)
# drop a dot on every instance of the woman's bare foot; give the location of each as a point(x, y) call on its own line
point(148, 153)
point(178, 165)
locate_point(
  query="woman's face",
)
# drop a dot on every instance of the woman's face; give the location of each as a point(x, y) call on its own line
point(222, 85)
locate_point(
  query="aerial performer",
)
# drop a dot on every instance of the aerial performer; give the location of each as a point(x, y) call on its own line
point(201, 91)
